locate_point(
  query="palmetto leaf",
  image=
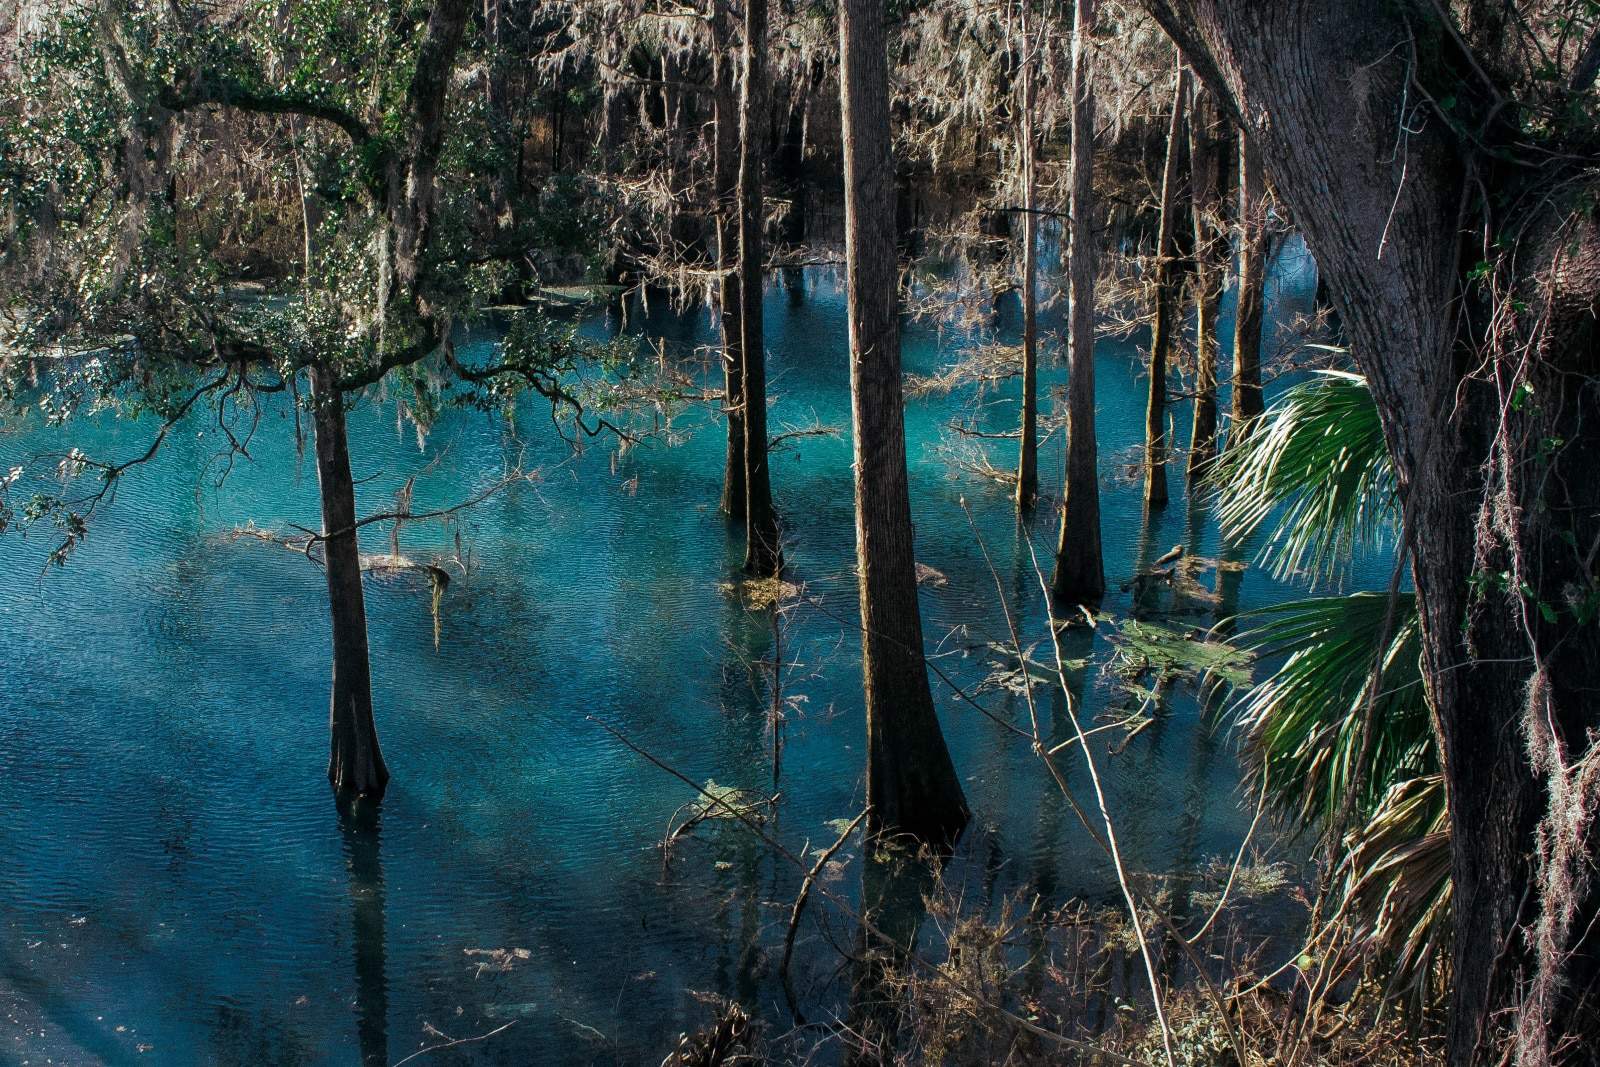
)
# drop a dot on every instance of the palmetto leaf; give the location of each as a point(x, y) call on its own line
point(1397, 880)
point(1301, 734)
point(1318, 470)
point(1301, 726)
point(1319, 456)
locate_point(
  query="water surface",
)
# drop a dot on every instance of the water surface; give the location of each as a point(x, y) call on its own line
point(176, 885)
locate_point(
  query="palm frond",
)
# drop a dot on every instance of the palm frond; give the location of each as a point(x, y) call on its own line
point(1317, 470)
point(1301, 726)
point(1318, 455)
point(1396, 875)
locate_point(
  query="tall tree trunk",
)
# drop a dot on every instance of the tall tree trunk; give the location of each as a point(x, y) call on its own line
point(725, 189)
point(911, 782)
point(1247, 400)
point(763, 555)
point(1208, 153)
point(1080, 575)
point(1166, 285)
point(1028, 459)
point(1500, 489)
point(355, 764)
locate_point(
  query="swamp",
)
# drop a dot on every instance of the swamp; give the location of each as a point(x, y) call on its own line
point(731, 532)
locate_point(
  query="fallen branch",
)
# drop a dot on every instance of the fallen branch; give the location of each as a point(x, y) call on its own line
point(457, 1042)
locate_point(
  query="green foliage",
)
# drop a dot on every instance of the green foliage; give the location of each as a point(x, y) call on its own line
point(1319, 732)
point(118, 179)
point(1319, 455)
point(1301, 726)
point(1145, 647)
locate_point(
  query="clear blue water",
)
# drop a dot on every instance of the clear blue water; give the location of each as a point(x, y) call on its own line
point(176, 885)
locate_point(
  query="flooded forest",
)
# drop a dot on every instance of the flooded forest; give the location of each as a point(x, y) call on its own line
point(716, 533)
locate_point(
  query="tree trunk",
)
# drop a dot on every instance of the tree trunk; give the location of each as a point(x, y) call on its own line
point(1166, 285)
point(1028, 459)
point(1492, 437)
point(1208, 152)
point(911, 782)
point(725, 178)
point(355, 764)
point(411, 182)
point(1080, 575)
point(1247, 400)
point(763, 554)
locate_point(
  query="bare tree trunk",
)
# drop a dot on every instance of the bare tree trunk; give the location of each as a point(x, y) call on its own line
point(1208, 152)
point(355, 764)
point(1080, 575)
point(1028, 459)
point(725, 179)
point(1155, 412)
point(1247, 400)
point(1500, 492)
point(763, 555)
point(911, 782)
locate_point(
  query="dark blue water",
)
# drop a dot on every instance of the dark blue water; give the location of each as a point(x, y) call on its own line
point(176, 885)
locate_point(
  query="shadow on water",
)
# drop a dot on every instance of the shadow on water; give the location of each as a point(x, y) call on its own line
point(52, 1005)
point(794, 284)
point(894, 887)
point(360, 825)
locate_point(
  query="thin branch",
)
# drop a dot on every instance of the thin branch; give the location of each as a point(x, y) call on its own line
point(799, 907)
point(456, 1042)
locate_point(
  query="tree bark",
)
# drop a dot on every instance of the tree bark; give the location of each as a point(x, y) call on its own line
point(1080, 575)
point(911, 782)
point(1028, 458)
point(1208, 153)
point(1166, 285)
point(763, 553)
point(355, 764)
point(411, 183)
point(1247, 318)
point(1493, 450)
point(725, 189)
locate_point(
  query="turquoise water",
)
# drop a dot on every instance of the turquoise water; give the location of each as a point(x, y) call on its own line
point(176, 885)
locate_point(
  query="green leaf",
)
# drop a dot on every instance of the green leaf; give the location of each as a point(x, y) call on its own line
point(1318, 466)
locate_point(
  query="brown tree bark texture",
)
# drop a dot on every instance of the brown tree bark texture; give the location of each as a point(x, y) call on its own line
point(1251, 307)
point(1167, 281)
point(763, 555)
point(1318, 86)
point(1208, 151)
point(355, 763)
point(911, 782)
point(1028, 455)
point(725, 190)
point(1079, 566)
